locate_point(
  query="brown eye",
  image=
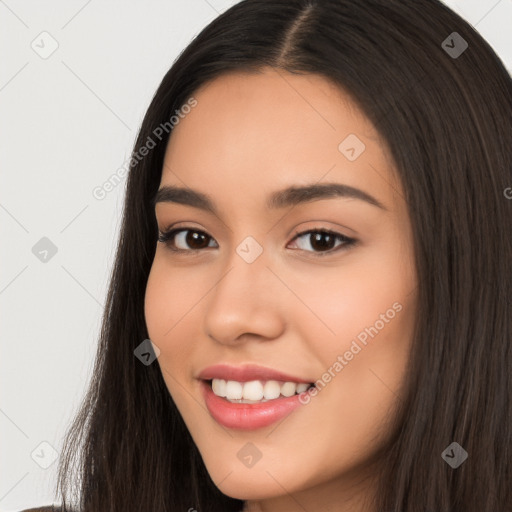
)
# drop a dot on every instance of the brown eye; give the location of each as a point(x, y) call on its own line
point(185, 240)
point(324, 241)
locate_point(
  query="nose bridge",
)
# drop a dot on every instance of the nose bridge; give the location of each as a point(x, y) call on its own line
point(248, 274)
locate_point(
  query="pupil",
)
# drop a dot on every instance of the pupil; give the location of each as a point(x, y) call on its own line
point(317, 241)
point(193, 237)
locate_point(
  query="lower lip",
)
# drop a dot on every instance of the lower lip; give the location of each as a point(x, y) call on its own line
point(247, 416)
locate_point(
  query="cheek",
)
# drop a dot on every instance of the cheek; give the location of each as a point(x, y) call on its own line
point(169, 305)
point(374, 293)
point(360, 328)
point(169, 297)
point(363, 357)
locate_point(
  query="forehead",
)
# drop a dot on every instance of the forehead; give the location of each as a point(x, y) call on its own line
point(270, 99)
point(267, 130)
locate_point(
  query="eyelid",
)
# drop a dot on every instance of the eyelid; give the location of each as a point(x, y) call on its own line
point(169, 234)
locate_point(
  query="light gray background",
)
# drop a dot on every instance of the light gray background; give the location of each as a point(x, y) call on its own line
point(68, 123)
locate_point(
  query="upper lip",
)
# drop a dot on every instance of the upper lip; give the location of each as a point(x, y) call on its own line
point(247, 373)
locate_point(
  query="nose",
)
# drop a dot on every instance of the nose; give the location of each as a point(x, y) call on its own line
point(248, 302)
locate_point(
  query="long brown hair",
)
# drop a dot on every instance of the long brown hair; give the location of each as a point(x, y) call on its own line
point(442, 100)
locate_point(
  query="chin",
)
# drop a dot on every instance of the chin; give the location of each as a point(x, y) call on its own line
point(266, 479)
point(250, 488)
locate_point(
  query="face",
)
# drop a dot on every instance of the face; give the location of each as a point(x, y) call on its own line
point(318, 286)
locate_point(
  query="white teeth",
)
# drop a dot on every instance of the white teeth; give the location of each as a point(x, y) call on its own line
point(253, 390)
point(233, 389)
point(288, 389)
point(302, 387)
point(219, 387)
point(271, 389)
point(256, 390)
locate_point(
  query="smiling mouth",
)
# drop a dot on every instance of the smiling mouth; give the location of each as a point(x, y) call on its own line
point(256, 391)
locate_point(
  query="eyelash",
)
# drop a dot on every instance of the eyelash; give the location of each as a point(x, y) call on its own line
point(168, 236)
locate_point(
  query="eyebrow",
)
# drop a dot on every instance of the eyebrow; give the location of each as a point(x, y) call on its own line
point(290, 196)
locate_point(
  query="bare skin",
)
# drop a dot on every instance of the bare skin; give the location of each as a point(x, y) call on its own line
point(300, 304)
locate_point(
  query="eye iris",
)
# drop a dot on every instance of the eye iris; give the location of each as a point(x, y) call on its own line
point(316, 241)
point(193, 237)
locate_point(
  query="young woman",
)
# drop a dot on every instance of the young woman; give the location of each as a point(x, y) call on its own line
point(317, 241)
